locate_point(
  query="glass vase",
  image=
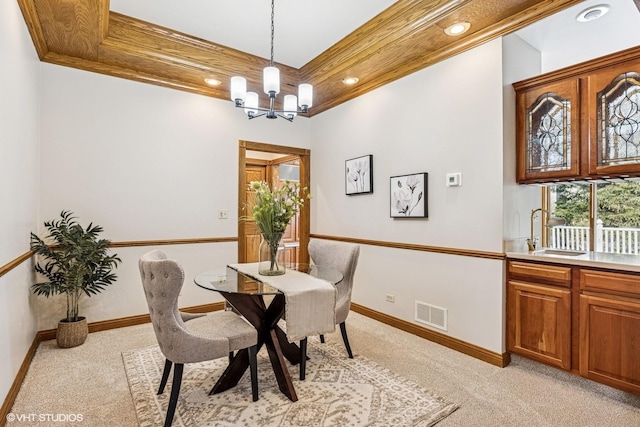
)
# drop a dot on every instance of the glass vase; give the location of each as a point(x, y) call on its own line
point(271, 255)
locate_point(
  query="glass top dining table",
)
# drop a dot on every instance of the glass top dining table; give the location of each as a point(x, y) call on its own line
point(246, 295)
point(226, 279)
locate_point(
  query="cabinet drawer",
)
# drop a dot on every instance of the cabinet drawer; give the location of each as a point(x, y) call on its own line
point(617, 283)
point(546, 273)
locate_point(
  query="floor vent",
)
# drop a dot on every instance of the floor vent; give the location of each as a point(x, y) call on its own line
point(431, 315)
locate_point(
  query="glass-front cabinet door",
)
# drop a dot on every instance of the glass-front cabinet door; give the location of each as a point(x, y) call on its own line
point(548, 132)
point(614, 125)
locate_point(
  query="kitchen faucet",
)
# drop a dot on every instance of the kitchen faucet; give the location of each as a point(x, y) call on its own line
point(532, 241)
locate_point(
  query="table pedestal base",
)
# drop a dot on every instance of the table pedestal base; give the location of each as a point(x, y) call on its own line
point(265, 320)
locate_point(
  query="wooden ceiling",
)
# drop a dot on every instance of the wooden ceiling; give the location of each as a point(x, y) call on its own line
point(405, 38)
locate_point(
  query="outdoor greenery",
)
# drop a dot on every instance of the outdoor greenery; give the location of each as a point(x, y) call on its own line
point(572, 204)
point(76, 261)
point(618, 204)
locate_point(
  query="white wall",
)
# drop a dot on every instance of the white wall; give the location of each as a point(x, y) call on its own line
point(602, 37)
point(152, 163)
point(146, 163)
point(446, 118)
point(563, 41)
point(19, 121)
point(520, 60)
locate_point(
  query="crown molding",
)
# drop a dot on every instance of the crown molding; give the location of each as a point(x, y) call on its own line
point(403, 39)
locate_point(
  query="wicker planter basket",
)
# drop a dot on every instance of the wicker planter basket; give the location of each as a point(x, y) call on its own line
point(72, 334)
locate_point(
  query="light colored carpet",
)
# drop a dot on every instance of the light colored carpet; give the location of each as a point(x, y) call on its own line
point(338, 391)
point(91, 380)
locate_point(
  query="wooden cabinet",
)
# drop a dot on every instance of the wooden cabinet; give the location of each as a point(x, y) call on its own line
point(610, 328)
point(580, 122)
point(584, 320)
point(548, 131)
point(539, 312)
point(540, 323)
point(613, 102)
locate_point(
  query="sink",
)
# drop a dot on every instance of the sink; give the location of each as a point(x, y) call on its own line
point(560, 252)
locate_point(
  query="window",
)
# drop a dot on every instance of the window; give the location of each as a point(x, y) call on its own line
point(600, 217)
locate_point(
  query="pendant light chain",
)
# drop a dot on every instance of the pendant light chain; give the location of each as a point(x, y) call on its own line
point(271, 79)
point(272, 29)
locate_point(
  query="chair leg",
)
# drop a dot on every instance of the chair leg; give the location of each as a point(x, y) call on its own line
point(343, 329)
point(165, 375)
point(230, 357)
point(322, 338)
point(303, 358)
point(253, 369)
point(175, 391)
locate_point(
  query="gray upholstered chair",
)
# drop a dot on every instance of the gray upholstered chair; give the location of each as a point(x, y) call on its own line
point(201, 338)
point(167, 363)
point(344, 258)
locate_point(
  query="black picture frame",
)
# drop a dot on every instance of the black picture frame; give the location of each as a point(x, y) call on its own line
point(358, 175)
point(408, 195)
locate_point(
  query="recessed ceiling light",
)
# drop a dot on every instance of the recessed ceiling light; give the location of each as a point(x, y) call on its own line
point(592, 13)
point(457, 28)
point(213, 82)
point(350, 80)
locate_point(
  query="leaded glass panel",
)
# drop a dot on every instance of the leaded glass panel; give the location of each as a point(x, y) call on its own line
point(549, 133)
point(619, 121)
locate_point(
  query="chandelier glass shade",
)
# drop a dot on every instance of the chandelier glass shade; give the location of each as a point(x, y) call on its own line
point(271, 86)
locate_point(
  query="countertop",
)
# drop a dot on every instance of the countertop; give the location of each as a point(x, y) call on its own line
point(589, 259)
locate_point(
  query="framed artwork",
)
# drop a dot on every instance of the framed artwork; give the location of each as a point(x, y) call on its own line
point(408, 196)
point(358, 175)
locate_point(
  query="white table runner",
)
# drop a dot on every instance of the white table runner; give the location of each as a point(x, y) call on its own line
point(310, 302)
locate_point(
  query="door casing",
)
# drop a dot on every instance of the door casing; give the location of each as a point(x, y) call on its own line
point(305, 181)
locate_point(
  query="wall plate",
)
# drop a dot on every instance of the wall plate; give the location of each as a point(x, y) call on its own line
point(454, 179)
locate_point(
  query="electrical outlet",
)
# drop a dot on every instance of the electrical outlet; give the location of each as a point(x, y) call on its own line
point(390, 298)
point(223, 214)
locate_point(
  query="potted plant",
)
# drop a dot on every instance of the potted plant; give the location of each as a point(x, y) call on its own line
point(76, 263)
point(272, 211)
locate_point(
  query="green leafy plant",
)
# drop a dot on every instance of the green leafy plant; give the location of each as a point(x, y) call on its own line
point(273, 209)
point(76, 262)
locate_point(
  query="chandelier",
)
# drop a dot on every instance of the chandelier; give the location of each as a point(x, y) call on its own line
point(271, 82)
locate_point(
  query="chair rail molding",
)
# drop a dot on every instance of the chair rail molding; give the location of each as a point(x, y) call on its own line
point(415, 247)
point(14, 263)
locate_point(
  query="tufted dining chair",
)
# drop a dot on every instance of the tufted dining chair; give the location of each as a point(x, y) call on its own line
point(167, 364)
point(199, 339)
point(344, 258)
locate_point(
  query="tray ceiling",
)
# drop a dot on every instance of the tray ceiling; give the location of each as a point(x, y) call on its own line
point(390, 43)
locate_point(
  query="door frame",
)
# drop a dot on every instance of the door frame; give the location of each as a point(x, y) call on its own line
point(305, 181)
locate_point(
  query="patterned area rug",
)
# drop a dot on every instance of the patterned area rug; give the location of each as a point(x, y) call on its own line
point(338, 391)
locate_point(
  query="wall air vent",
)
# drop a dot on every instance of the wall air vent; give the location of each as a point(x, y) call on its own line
point(431, 315)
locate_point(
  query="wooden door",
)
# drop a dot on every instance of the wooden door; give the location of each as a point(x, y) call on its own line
point(612, 101)
point(291, 241)
point(251, 232)
point(246, 244)
point(610, 341)
point(548, 132)
point(539, 323)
